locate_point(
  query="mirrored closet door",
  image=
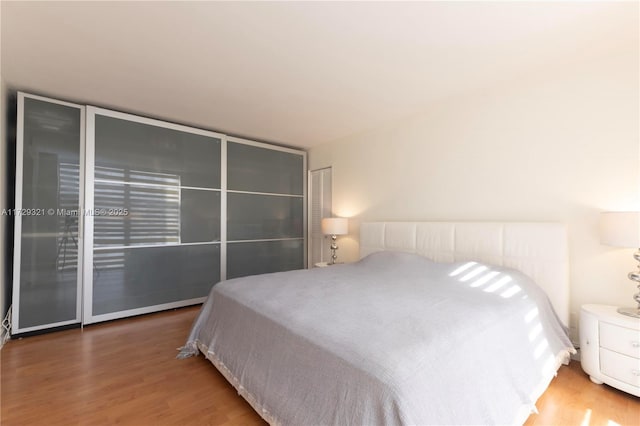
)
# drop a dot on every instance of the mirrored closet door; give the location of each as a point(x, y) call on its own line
point(153, 228)
point(265, 208)
point(48, 242)
point(121, 215)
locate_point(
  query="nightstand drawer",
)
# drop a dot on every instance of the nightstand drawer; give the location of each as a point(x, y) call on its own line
point(620, 339)
point(620, 367)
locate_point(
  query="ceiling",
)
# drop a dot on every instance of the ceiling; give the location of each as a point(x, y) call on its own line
point(294, 73)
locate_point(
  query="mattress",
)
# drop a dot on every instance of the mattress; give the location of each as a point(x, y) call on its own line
point(393, 339)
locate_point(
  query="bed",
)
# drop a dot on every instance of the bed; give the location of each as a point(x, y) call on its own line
point(437, 323)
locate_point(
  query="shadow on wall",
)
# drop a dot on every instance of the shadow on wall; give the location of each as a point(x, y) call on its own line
point(9, 179)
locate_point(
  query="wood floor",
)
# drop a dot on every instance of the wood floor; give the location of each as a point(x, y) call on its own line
point(125, 373)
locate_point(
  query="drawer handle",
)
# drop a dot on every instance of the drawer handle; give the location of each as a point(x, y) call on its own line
point(635, 344)
point(635, 372)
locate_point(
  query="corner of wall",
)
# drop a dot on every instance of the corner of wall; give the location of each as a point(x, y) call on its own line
point(3, 204)
point(7, 190)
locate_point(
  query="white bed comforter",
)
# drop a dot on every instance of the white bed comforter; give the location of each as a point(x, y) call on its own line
point(392, 339)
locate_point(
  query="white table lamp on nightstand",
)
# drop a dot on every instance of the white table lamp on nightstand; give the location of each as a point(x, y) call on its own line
point(334, 226)
point(622, 229)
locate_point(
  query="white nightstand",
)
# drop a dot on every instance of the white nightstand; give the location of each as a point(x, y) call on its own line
point(610, 347)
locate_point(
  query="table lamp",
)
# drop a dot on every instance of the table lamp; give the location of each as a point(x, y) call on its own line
point(622, 229)
point(334, 226)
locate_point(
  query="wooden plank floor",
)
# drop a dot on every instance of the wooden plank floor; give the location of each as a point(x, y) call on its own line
point(125, 372)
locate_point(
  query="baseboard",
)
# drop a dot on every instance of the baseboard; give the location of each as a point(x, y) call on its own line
point(5, 330)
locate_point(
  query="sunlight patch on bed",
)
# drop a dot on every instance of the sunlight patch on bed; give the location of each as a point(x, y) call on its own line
point(511, 291)
point(484, 279)
point(535, 332)
point(533, 313)
point(539, 350)
point(474, 273)
point(498, 284)
point(462, 268)
point(612, 423)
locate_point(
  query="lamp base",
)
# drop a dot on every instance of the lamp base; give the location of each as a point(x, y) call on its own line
point(333, 247)
point(634, 276)
point(631, 312)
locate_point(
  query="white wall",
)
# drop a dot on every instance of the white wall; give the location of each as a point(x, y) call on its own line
point(562, 146)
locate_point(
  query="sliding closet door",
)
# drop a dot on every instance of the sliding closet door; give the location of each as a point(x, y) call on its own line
point(265, 208)
point(47, 255)
point(154, 235)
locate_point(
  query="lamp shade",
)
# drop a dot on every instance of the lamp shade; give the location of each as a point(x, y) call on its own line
point(335, 226)
point(620, 229)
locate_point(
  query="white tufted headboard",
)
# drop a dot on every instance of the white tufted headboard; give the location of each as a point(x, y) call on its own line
point(536, 249)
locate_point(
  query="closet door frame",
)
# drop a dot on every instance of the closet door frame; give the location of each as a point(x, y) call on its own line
point(304, 195)
point(89, 199)
point(17, 254)
point(310, 202)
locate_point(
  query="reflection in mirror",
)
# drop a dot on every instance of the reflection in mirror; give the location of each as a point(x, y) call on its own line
point(256, 216)
point(150, 152)
point(261, 257)
point(130, 278)
point(127, 214)
point(156, 215)
point(48, 284)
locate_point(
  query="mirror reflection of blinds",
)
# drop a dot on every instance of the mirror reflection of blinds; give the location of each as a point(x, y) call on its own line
point(152, 203)
point(67, 240)
point(135, 176)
